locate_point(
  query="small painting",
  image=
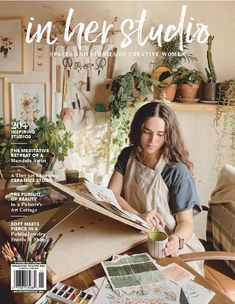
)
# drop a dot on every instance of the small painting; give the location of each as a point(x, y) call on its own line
point(27, 101)
point(11, 45)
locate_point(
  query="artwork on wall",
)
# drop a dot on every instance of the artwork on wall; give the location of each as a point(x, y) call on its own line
point(2, 95)
point(11, 45)
point(39, 56)
point(27, 101)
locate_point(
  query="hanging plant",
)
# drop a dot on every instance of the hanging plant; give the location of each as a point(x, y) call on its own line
point(129, 91)
point(133, 87)
point(224, 126)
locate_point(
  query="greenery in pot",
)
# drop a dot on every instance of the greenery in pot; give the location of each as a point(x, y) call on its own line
point(210, 71)
point(52, 136)
point(128, 92)
point(210, 88)
point(184, 75)
point(133, 87)
point(171, 55)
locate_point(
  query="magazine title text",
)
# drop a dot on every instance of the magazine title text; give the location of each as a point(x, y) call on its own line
point(92, 32)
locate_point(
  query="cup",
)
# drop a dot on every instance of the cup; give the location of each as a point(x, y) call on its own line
point(157, 241)
point(72, 176)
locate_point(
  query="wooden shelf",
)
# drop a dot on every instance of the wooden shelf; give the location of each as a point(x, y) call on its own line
point(198, 107)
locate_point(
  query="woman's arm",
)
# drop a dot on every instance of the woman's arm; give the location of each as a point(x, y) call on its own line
point(115, 184)
point(151, 217)
point(184, 229)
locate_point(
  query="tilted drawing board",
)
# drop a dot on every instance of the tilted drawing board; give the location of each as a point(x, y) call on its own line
point(80, 200)
point(91, 234)
point(88, 237)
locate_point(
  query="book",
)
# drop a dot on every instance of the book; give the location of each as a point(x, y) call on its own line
point(105, 197)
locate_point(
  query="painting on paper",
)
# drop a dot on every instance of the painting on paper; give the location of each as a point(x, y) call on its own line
point(11, 45)
point(27, 101)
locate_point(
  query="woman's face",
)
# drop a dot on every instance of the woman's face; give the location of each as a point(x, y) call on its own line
point(152, 136)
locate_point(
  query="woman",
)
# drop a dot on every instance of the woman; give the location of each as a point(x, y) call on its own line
point(152, 178)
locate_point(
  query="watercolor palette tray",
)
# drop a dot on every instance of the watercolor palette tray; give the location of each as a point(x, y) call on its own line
point(62, 293)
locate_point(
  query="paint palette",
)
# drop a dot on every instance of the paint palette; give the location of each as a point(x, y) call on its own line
point(67, 294)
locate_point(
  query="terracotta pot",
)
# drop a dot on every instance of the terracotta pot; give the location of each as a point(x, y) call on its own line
point(186, 91)
point(170, 92)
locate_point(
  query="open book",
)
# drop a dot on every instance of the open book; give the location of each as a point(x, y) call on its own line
point(105, 197)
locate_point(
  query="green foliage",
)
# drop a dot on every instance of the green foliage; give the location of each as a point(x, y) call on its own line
point(211, 74)
point(184, 75)
point(171, 54)
point(52, 135)
point(134, 86)
point(129, 91)
point(1, 127)
point(119, 134)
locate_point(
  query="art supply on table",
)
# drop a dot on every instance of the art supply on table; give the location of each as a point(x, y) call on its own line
point(10, 253)
point(68, 294)
point(72, 176)
point(39, 254)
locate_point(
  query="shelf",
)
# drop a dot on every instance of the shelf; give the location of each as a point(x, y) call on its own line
point(199, 107)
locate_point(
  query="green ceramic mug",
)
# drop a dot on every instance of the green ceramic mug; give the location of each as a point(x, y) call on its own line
point(157, 241)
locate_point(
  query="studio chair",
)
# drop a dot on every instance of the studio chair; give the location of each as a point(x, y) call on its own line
point(219, 257)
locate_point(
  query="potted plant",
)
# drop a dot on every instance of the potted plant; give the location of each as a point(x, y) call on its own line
point(131, 88)
point(209, 91)
point(188, 84)
point(173, 57)
point(54, 138)
point(128, 91)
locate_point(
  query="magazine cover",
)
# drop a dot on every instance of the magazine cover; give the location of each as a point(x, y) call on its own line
point(73, 74)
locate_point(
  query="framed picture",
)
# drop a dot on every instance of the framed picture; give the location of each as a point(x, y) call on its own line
point(2, 96)
point(11, 45)
point(27, 101)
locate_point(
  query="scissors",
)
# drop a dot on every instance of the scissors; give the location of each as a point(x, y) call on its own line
point(67, 62)
point(77, 65)
point(100, 64)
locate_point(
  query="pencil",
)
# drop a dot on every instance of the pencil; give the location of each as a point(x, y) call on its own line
point(17, 255)
point(25, 246)
point(46, 256)
point(27, 251)
point(9, 246)
point(8, 251)
point(47, 247)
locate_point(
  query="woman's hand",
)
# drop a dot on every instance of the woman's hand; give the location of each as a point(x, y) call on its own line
point(172, 246)
point(153, 218)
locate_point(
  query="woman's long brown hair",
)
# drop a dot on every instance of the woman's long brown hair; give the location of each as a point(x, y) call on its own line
point(174, 148)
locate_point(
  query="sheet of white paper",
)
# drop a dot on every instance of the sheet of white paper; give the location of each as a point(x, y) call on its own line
point(166, 292)
point(196, 293)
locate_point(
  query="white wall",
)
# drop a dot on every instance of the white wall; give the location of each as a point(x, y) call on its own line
point(218, 15)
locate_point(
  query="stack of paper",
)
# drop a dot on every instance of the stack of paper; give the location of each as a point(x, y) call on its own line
point(138, 279)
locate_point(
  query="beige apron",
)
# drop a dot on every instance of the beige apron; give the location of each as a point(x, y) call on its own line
point(144, 189)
